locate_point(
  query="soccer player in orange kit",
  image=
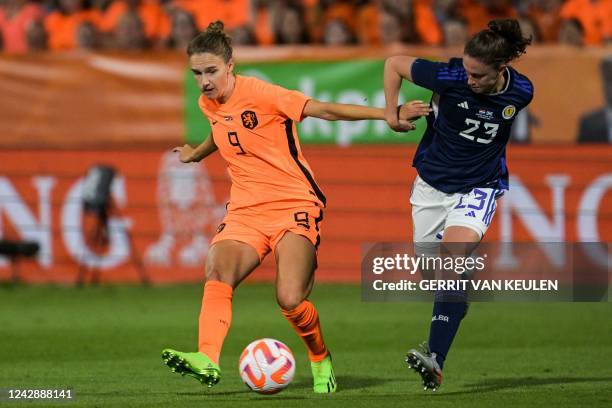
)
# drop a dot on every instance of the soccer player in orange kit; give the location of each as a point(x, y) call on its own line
point(275, 203)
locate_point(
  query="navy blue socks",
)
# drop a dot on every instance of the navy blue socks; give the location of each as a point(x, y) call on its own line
point(449, 309)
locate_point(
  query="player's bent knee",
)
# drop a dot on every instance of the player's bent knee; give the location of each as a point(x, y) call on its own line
point(214, 273)
point(289, 300)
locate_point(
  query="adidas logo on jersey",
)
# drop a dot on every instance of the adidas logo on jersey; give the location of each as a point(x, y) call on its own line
point(470, 214)
point(463, 105)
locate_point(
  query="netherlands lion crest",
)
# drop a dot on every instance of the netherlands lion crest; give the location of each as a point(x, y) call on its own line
point(249, 119)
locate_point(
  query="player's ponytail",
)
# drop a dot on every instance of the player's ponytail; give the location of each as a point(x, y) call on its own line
point(213, 40)
point(498, 44)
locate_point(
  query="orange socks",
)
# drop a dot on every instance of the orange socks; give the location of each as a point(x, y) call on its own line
point(215, 318)
point(305, 320)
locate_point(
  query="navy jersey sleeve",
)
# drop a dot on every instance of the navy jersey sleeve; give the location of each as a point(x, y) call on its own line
point(524, 88)
point(437, 76)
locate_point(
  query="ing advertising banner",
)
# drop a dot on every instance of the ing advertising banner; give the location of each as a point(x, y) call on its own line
point(163, 213)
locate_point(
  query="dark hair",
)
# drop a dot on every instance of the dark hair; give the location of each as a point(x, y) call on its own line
point(499, 44)
point(213, 40)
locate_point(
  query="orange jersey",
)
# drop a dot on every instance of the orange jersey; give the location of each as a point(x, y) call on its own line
point(62, 28)
point(233, 13)
point(156, 22)
point(256, 134)
point(594, 16)
point(13, 28)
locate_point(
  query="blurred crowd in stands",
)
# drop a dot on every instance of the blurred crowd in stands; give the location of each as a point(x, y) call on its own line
point(32, 25)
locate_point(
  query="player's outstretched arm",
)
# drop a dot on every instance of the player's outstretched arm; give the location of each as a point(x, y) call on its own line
point(396, 69)
point(339, 111)
point(188, 154)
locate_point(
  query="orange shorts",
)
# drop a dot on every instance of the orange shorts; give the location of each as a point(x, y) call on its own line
point(263, 227)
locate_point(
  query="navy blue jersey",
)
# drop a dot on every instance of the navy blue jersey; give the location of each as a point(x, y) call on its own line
point(464, 146)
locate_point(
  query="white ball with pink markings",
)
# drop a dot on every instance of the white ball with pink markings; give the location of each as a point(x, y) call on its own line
point(267, 366)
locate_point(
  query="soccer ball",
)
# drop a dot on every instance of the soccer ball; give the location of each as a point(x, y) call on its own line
point(267, 366)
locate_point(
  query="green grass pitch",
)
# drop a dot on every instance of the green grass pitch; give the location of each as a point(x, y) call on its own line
point(105, 343)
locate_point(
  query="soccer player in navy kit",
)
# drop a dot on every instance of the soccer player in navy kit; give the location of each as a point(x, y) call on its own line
point(461, 160)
